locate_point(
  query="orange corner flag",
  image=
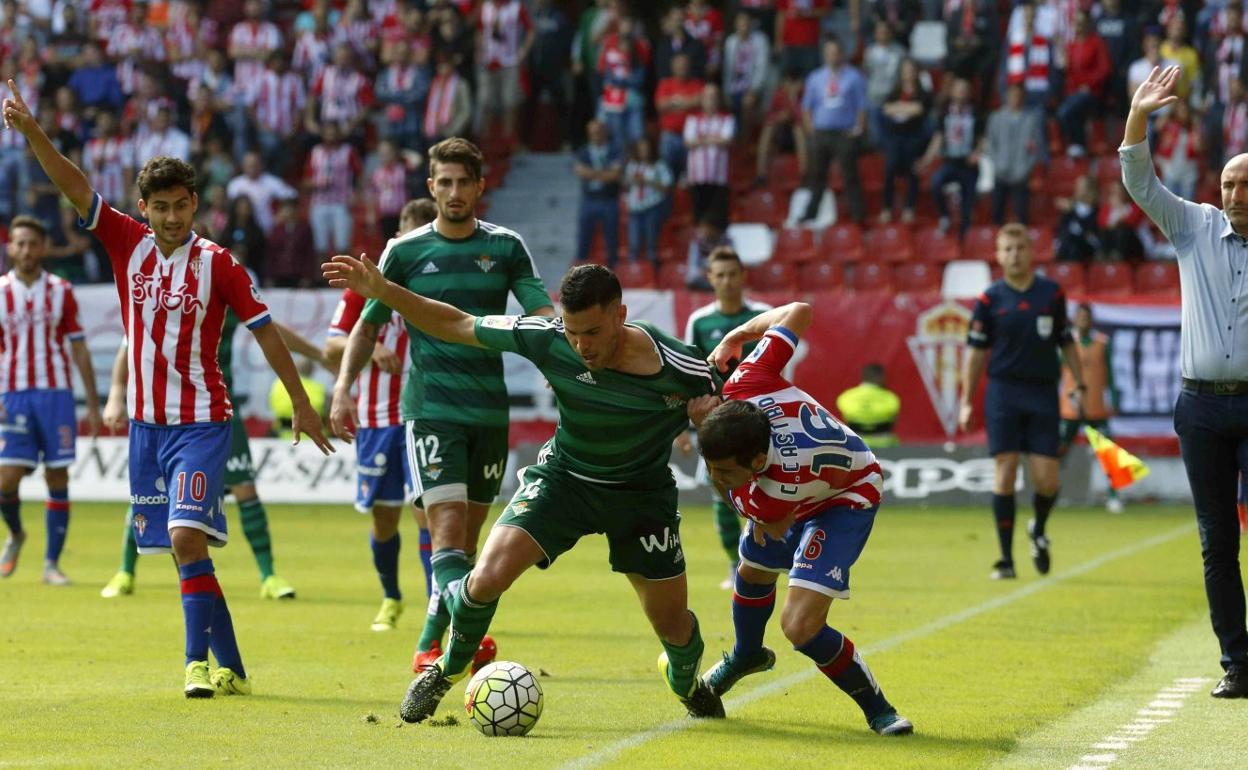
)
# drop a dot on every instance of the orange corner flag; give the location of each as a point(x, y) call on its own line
point(1122, 467)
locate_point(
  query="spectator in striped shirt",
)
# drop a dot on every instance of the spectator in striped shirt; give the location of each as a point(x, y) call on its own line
point(341, 95)
point(388, 184)
point(448, 108)
point(174, 289)
point(708, 138)
point(108, 159)
point(401, 90)
point(330, 178)
point(505, 37)
point(40, 328)
point(280, 100)
point(649, 181)
point(250, 43)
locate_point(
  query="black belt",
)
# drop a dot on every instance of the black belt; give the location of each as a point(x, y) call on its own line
point(1217, 387)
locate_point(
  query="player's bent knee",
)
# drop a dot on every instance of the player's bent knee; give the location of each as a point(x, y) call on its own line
point(755, 575)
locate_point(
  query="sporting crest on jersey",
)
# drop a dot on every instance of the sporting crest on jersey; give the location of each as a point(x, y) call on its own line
point(938, 347)
point(1044, 326)
point(196, 265)
point(485, 263)
point(140, 523)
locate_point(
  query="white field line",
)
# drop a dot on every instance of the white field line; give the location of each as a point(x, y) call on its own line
point(1138, 729)
point(612, 750)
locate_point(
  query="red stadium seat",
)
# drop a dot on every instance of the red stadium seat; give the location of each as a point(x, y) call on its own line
point(819, 276)
point(1110, 278)
point(1061, 176)
point(931, 244)
point(980, 242)
point(773, 276)
point(1042, 250)
point(918, 277)
point(784, 173)
point(871, 276)
point(890, 243)
point(671, 276)
point(758, 206)
point(635, 275)
point(795, 245)
point(1157, 278)
point(1108, 171)
point(1071, 276)
point(842, 243)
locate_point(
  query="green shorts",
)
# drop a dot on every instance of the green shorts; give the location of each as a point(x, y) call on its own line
point(641, 522)
point(239, 469)
point(1069, 430)
point(450, 461)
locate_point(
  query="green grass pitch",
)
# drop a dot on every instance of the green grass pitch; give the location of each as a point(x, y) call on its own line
point(989, 672)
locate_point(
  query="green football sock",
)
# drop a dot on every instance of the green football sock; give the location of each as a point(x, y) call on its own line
point(449, 566)
point(471, 620)
point(728, 525)
point(682, 662)
point(129, 548)
point(256, 530)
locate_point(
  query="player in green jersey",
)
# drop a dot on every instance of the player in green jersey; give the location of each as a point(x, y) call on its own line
point(623, 391)
point(455, 405)
point(240, 473)
point(706, 327)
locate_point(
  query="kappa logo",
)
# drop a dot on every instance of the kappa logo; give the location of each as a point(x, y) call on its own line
point(143, 289)
point(587, 378)
point(836, 574)
point(485, 263)
point(938, 348)
point(430, 268)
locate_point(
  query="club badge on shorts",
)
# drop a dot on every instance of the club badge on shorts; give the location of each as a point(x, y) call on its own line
point(1044, 326)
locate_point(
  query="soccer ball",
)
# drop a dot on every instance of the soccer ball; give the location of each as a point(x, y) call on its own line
point(503, 698)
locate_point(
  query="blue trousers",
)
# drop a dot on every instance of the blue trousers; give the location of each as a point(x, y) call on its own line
point(643, 231)
point(1072, 116)
point(1213, 439)
point(965, 175)
point(596, 211)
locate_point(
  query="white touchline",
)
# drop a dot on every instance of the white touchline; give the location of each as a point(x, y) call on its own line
point(927, 629)
point(1139, 728)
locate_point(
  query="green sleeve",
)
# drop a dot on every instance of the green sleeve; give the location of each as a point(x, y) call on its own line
point(391, 267)
point(525, 284)
point(527, 336)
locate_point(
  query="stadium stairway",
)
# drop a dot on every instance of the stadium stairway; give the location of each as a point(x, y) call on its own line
point(543, 211)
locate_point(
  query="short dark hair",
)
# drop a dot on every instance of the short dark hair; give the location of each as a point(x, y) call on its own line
point(457, 150)
point(586, 286)
point(873, 372)
point(723, 254)
point(30, 223)
point(164, 173)
point(735, 430)
point(423, 210)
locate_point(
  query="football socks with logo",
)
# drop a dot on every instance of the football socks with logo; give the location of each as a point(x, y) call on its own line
point(129, 547)
point(834, 655)
point(449, 567)
point(683, 661)
point(426, 553)
point(1003, 512)
point(469, 622)
point(752, 605)
point(199, 597)
point(56, 518)
point(386, 560)
point(256, 529)
point(11, 510)
point(1044, 506)
point(728, 525)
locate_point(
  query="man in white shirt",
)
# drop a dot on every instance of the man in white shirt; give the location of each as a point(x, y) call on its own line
point(263, 188)
point(164, 139)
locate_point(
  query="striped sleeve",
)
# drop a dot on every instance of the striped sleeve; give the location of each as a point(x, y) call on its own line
point(240, 294)
point(694, 371)
point(346, 314)
point(763, 370)
point(71, 323)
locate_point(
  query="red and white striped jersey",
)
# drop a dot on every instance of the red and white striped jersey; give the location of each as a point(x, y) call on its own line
point(311, 55)
point(378, 392)
point(360, 34)
point(184, 45)
point(173, 309)
point(108, 162)
point(708, 164)
point(36, 323)
point(332, 172)
point(440, 104)
point(389, 185)
point(252, 39)
point(503, 25)
point(107, 15)
point(815, 462)
point(279, 102)
point(344, 94)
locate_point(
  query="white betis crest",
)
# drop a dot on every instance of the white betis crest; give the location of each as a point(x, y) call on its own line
point(938, 347)
point(1044, 326)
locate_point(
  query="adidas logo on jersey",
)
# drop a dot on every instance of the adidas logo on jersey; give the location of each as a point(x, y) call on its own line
point(429, 268)
point(587, 378)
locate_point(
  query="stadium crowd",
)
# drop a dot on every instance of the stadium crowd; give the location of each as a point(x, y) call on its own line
point(308, 119)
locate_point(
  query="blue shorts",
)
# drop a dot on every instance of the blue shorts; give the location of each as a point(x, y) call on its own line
point(177, 479)
point(817, 552)
point(381, 468)
point(38, 426)
point(1022, 417)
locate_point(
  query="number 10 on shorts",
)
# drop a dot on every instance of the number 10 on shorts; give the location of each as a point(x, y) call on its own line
point(198, 486)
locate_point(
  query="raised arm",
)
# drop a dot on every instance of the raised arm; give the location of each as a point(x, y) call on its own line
point(1168, 210)
point(795, 316)
point(67, 177)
